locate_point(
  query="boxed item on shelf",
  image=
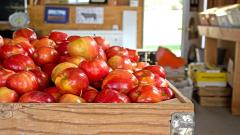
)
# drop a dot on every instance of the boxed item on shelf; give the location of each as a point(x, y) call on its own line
point(210, 78)
point(234, 15)
point(214, 96)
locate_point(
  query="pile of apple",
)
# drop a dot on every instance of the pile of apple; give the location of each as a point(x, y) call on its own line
point(74, 69)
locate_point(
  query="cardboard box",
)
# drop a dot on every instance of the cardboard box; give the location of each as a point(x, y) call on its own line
point(210, 78)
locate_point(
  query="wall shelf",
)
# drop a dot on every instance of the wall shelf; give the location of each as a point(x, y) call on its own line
point(213, 34)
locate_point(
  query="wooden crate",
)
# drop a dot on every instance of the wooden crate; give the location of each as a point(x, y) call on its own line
point(214, 96)
point(215, 101)
point(214, 92)
point(92, 119)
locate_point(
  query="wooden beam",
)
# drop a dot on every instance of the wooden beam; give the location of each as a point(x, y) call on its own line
point(210, 54)
point(236, 82)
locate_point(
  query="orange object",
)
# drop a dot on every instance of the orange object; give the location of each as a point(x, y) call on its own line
point(166, 58)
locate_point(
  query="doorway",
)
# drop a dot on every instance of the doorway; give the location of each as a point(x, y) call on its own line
point(162, 25)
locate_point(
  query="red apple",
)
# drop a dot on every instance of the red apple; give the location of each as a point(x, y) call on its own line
point(25, 44)
point(42, 78)
point(157, 70)
point(160, 82)
point(146, 94)
point(145, 77)
point(120, 62)
point(7, 95)
point(45, 55)
point(75, 60)
point(133, 55)
point(167, 93)
point(85, 47)
point(70, 98)
point(48, 68)
point(102, 42)
point(54, 91)
point(120, 80)
point(4, 75)
point(102, 54)
point(111, 96)
point(116, 50)
point(10, 50)
point(58, 36)
point(22, 82)
point(96, 69)
point(36, 97)
point(72, 81)
point(62, 47)
point(44, 42)
point(139, 65)
point(59, 68)
point(72, 38)
point(19, 62)
point(26, 33)
point(90, 94)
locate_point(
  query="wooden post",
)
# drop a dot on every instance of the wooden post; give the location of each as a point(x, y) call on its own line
point(210, 55)
point(236, 82)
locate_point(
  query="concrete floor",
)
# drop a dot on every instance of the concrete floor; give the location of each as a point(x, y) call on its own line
point(215, 121)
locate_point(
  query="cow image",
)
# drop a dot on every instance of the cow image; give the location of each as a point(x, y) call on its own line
point(89, 15)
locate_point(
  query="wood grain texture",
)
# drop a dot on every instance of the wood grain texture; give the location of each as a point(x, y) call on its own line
point(91, 119)
point(231, 34)
point(210, 52)
point(215, 91)
point(236, 82)
point(215, 101)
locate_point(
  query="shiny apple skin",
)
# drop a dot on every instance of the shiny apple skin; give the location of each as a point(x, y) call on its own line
point(72, 81)
point(54, 91)
point(8, 95)
point(9, 50)
point(121, 80)
point(59, 68)
point(96, 70)
point(58, 36)
point(85, 47)
point(157, 70)
point(70, 98)
point(26, 33)
point(111, 96)
point(90, 94)
point(120, 62)
point(145, 77)
point(36, 97)
point(22, 82)
point(19, 62)
point(45, 55)
point(4, 75)
point(146, 94)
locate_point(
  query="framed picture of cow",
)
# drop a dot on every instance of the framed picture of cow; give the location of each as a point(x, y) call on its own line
point(98, 1)
point(89, 15)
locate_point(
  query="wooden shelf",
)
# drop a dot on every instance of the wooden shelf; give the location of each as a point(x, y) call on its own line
point(231, 34)
point(213, 34)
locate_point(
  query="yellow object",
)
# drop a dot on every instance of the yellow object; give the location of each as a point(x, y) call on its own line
point(208, 78)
